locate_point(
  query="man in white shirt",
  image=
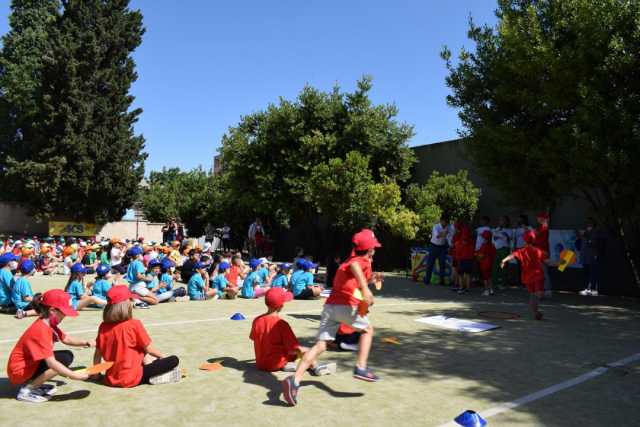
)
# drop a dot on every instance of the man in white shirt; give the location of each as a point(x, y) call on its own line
point(503, 240)
point(485, 225)
point(438, 247)
point(226, 237)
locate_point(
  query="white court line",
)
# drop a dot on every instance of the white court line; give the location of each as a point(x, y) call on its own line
point(508, 406)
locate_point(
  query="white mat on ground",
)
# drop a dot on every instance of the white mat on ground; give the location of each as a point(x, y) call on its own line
point(457, 324)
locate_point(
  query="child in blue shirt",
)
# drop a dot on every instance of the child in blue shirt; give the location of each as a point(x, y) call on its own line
point(302, 283)
point(80, 297)
point(137, 278)
point(221, 284)
point(281, 280)
point(6, 282)
point(263, 271)
point(252, 285)
point(101, 285)
point(21, 293)
point(165, 286)
point(198, 286)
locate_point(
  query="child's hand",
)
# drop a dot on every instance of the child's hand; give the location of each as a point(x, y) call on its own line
point(79, 375)
point(367, 296)
point(502, 264)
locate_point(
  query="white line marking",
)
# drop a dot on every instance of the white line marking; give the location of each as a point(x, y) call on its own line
point(507, 406)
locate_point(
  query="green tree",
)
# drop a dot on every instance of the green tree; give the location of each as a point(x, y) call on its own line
point(172, 193)
point(550, 103)
point(82, 159)
point(454, 195)
point(23, 47)
point(286, 162)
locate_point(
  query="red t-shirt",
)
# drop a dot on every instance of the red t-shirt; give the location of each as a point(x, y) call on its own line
point(273, 342)
point(486, 256)
point(124, 344)
point(345, 283)
point(35, 345)
point(531, 259)
point(542, 237)
point(232, 276)
point(464, 245)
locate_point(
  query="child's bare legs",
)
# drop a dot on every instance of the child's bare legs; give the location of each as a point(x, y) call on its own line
point(211, 293)
point(231, 292)
point(86, 301)
point(366, 338)
point(43, 378)
point(467, 281)
point(309, 359)
point(149, 299)
point(534, 300)
point(317, 290)
point(148, 359)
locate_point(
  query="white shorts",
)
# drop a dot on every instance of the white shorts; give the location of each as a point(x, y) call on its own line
point(139, 288)
point(333, 315)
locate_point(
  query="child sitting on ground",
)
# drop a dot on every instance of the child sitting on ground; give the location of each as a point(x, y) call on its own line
point(124, 341)
point(198, 286)
point(153, 281)
point(302, 282)
point(276, 346)
point(220, 283)
point(531, 259)
point(236, 272)
point(8, 262)
point(281, 279)
point(21, 293)
point(32, 361)
point(80, 297)
point(165, 285)
point(137, 278)
point(101, 285)
point(252, 285)
point(486, 257)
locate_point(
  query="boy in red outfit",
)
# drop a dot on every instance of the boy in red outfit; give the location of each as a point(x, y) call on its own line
point(486, 256)
point(275, 345)
point(531, 260)
point(464, 248)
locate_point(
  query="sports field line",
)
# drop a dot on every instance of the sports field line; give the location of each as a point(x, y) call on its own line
point(508, 406)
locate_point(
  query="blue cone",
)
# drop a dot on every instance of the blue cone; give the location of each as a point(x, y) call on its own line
point(238, 316)
point(470, 419)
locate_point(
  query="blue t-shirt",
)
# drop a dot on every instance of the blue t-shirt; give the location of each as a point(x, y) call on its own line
point(21, 289)
point(264, 274)
point(135, 268)
point(252, 279)
point(153, 283)
point(6, 284)
point(299, 280)
point(76, 290)
point(100, 288)
point(220, 282)
point(280, 281)
point(167, 280)
point(195, 287)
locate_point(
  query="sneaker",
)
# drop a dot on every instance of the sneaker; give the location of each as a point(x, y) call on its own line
point(485, 293)
point(320, 370)
point(173, 376)
point(462, 291)
point(594, 293)
point(349, 347)
point(141, 305)
point(20, 314)
point(290, 390)
point(290, 367)
point(183, 299)
point(35, 395)
point(491, 292)
point(365, 374)
point(586, 292)
point(48, 389)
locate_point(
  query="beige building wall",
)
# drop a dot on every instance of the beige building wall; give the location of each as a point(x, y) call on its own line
point(131, 229)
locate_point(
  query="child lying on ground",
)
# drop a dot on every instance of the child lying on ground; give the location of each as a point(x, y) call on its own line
point(275, 345)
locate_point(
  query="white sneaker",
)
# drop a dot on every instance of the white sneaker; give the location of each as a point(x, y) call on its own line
point(349, 347)
point(491, 292)
point(183, 299)
point(594, 293)
point(328, 369)
point(485, 293)
point(172, 376)
point(586, 292)
point(48, 389)
point(36, 395)
point(290, 367)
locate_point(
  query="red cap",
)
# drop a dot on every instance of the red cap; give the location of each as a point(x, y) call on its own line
point(59, 299)
point(486, 234)
point(365, 240)
point(542, 215)
point(276, 297)
point(118, 294)
point(529, 236)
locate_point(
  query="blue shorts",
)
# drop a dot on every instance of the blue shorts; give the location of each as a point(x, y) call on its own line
point(465, 266)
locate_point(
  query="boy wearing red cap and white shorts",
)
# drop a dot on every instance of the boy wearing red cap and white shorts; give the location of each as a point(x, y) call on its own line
point(350, 290)
point(531, 260)
point(275, 345)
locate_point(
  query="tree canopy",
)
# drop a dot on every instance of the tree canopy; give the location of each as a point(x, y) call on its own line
point(68, 144)
point(550, 103)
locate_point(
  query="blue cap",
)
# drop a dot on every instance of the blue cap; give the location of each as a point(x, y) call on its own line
point(135, 251)
point(27, 266)
point(223, 266)
point(285, 266)
point(102, 270)
point(199, 265)
point(78, 268)
point(167, 263)
point(253, 263)
point(308, 265)
point(300, 263)
point(7, 257)
point(155, 263)
point(470, 419)
point(119, 269)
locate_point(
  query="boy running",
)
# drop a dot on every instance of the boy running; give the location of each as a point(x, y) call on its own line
point(350, 290)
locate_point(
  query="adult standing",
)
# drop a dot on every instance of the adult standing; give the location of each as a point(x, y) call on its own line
point(503, 237)
point(591, 253)
point(485, 225)
point(226, 237)
point(180, 234)
point(255, 235)
point(438, 248)
point(542, 243)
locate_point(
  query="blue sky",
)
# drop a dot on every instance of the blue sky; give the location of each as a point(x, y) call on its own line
point(205, 63)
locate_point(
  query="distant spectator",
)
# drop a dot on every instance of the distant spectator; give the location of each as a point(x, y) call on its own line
point(438, 248)
point(542, 243)
point(592, 251)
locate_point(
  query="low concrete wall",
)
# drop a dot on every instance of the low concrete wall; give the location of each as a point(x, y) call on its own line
point(131, 229)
